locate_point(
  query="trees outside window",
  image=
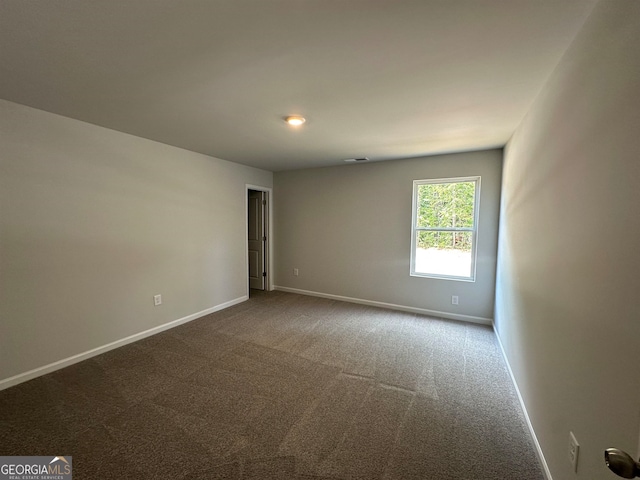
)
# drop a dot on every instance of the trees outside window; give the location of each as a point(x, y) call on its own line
point(444, 226)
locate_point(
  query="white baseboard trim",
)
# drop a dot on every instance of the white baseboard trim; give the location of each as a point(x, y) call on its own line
point(52, 367)
point(391, 306)
point(543, 461)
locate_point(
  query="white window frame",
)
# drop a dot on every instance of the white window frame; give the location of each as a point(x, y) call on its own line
point(474, 230)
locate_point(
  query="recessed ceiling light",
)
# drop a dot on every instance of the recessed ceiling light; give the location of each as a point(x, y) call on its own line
point(361, 159)
point(295, 120)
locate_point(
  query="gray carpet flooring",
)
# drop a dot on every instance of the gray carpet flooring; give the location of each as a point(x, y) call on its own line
point(283, 386)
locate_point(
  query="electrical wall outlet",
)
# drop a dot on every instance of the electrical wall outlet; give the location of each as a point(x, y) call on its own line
point(574, 451)
point(157, 300)
point(454, 299)
point(295, 272)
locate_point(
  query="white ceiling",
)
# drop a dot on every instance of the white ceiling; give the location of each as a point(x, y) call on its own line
point(378, 78)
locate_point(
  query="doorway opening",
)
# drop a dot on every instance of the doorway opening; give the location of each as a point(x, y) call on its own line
point(258, 239)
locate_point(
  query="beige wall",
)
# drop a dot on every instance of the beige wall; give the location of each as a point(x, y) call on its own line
point(568, 303)
point(95, 222)
point(348, 231)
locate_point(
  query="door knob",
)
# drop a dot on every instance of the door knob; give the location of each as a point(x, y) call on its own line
point(621, 463)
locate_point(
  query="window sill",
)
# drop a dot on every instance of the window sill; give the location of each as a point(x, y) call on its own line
point(443, 277)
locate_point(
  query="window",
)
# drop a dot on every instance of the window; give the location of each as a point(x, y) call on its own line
point(444, 227)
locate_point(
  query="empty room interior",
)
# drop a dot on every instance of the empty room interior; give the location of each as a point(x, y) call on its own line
point(308, 239)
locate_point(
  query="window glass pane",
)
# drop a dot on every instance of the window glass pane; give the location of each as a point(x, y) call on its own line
point(445, 205)
point(443, 253)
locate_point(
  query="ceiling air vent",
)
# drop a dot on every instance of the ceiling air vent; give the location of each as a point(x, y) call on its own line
point(363, 159)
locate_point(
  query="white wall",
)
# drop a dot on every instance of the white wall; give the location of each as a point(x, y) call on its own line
point(348, 231)
point(95, 222)
point(567, 299)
